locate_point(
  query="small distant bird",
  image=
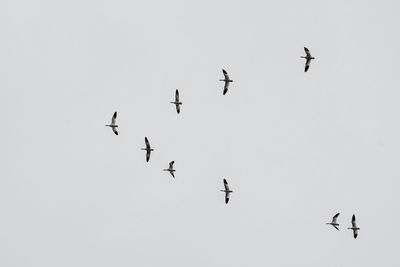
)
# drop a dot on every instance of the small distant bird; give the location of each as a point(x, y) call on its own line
point(148, 149)
point(113, 125)
point(354, 226)
point(171, 168)
point(176, 102)
point(308, 58)
point(226, 80)
point(227, 191)
point(334, 223)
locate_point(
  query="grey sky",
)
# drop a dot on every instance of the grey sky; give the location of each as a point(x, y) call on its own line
point(295, 147)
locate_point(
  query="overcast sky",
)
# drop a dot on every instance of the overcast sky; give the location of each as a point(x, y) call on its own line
point(295, 147)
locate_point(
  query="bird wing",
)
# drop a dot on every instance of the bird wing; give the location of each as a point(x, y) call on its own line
point(226, 185)
point(172, 173)
point(335, 218)
point(115, 130)
point(227, 197)
point(178, 108)
point(171, 164)
point(148, 155)
point(355, 233)
point(147, 142)
point(225, 74)
point(308, 61)
point(353, 221)
point(114, 117)
point(177, 95)
point(335, 227)
point(307, 52)
point(226, 87)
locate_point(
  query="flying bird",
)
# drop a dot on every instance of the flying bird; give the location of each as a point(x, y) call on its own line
point(148, 149)
point(113, 124)
point(227, 191)
point(308, 58)
point(226, 80)
point(354, 226)
point(334, 223)
point(171, 168)
point(177, 102)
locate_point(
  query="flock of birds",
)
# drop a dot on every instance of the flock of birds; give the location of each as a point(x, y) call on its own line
point(226, 189)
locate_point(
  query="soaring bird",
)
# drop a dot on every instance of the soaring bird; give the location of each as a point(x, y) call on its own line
point(354, 226)
point(177, 102)
point(227, 191)
point(308, 58)
point(148, 149)
point(171, 168)
point(226, 80)
point(334, 223)
point(113, 125)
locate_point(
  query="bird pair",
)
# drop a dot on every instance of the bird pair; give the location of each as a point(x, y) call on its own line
point(226, 79)
point(114, 126)
point(308, 58)
point(353, 223)
point(148, 149)
point(177, 103)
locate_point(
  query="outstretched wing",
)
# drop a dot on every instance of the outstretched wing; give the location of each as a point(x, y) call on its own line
point(226, 185)
point(147, 142)
point(355, 233)
point(308, 61)
point(176, 95)
point(227, 197)
point(115, 130)
point(226, 87)
point(335, 218)
point(335, 227)
point(353, 221)
point(171, 164)
point(307, 52)
point(172, 173)
point(178, 108)
point(114, 117)
point(148, 155)
point(225, 74)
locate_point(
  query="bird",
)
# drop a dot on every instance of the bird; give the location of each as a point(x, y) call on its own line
point(171, 168)
point(226, 80)
point(227, 191)
point(113, 125)
point(308, 58)
point(354, 226)
point(148, 149)
point(334, 223)
point(176, 102)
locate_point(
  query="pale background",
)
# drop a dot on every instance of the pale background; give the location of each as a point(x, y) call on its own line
point(295, 147)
